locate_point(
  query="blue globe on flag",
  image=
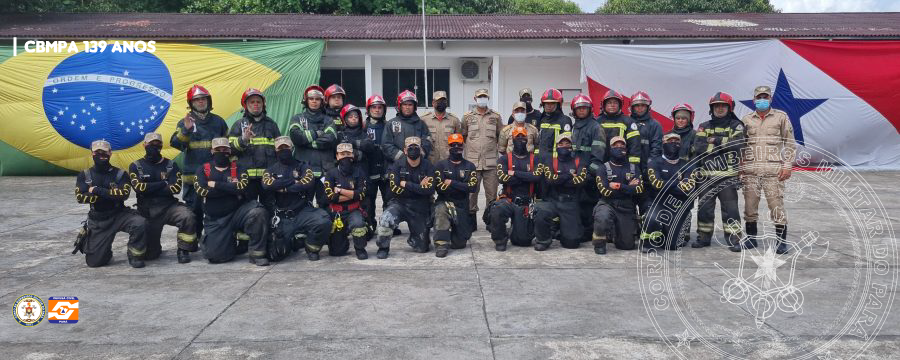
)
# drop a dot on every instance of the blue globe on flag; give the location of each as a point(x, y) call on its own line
point(118, 97)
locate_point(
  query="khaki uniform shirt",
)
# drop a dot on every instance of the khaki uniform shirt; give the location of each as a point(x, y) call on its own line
point(770, 143)
point(482, 133)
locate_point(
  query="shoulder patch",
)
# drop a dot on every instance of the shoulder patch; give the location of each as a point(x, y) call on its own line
point(739, 128)
point(634, 126)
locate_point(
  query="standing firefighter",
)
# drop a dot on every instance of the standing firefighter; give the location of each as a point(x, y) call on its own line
point(335, 97)
point(345, 187)
point(519, 176)
point(481, 130)
point(354, 133)
point(553, 122)
point(405, 125)
point(615, 123)
point(563, 179)
point(718, 143)
point(192, 136)
point(252, 140)
point(375, 108)
point(589, 147)
point(441, 124)
point(670, 183)
point(455, 179)
point(412, 182)
point(766, 166)
point(683, 118)
point(106, 188)
point(314, 137)
point(297, 223)
point(615, 215)
point(531, 115)
point(156, 180)
point(651, 133)
point(232, 218)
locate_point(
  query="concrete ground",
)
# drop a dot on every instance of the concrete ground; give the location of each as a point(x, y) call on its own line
point(474, 304)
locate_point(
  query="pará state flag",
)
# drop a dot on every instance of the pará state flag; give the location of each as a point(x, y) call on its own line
point(53, 105)
point(841, 96)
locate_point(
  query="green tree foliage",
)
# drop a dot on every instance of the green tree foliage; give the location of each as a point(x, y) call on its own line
point(337, 7)
point(685, 6)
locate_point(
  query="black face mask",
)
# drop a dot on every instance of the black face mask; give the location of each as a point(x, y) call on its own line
point(456, 153)
point(101, 162)
point(520, 146)
point(221, 159)
point(153, 153)
point(617, 154)
point(413, 153)
point(671, 150)
point(346, 165)
point(564, 153)
point(441, 106)
point(284, 156)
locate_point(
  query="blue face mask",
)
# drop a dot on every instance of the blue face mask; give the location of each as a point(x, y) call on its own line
point(762, 104)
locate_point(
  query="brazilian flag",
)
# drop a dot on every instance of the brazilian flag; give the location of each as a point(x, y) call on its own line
point(52, 106)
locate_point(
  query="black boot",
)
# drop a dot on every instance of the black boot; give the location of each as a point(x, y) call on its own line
point(397, 231)
point(135, 261)
point(184, 256)
point(361, 254)
point(262, 261)
point(500, 246)
point(703, 240)
point(441, 251)
point(382, 253)
point(312, 256)
point(541, 246)
point(750, 240)
point(473, 217)
point(781, 231)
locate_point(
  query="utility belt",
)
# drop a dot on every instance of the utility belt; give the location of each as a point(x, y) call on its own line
point(338, 208)
point(517, 200)
point(290, 213)
point(97, 215)
point(564, 197)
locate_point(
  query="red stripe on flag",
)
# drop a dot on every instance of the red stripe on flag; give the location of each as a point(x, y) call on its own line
point(869, 69)
point(597, 90)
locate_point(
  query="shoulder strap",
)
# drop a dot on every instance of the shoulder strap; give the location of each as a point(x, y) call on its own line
point(120, 175)
point(140, 167)
point(632, 169)
point(234, 169)
point(169, 166)
point(608, 170)
point(88, 178)
point(206, 170)
point(531, 168)
point(576, 163)
point(509, 164)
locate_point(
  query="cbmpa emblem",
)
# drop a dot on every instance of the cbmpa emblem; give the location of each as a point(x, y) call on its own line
point(29, 310)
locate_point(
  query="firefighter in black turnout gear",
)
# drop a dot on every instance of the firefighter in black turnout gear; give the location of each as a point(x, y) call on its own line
point(192, 136)
point(335, 97)
point(553, 122)
point(518, 173)
point(563, 179)
point(106, 188)
point(375, 110)
point(615, 216)
point(314, 138)
point(252, 140)
point(669, 184)
point(405, 125)
point(355, 134)
point(651, 133)
point(231, 217)
point(718, 143)
point(589, 147)
point(412, 182)
point(345, 187)
point(297, 224)
point(455, 179)
point(156, 180)
point(615, 123)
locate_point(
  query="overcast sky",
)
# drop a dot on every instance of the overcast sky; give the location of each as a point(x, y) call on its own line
point(799, 5)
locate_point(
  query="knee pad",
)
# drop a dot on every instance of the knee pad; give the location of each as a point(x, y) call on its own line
point(384, 231)
point(358, 232)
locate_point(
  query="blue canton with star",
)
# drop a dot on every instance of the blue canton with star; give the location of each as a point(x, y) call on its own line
point(784, 100)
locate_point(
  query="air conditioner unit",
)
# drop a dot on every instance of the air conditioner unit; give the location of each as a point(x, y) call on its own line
point(474, 69)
